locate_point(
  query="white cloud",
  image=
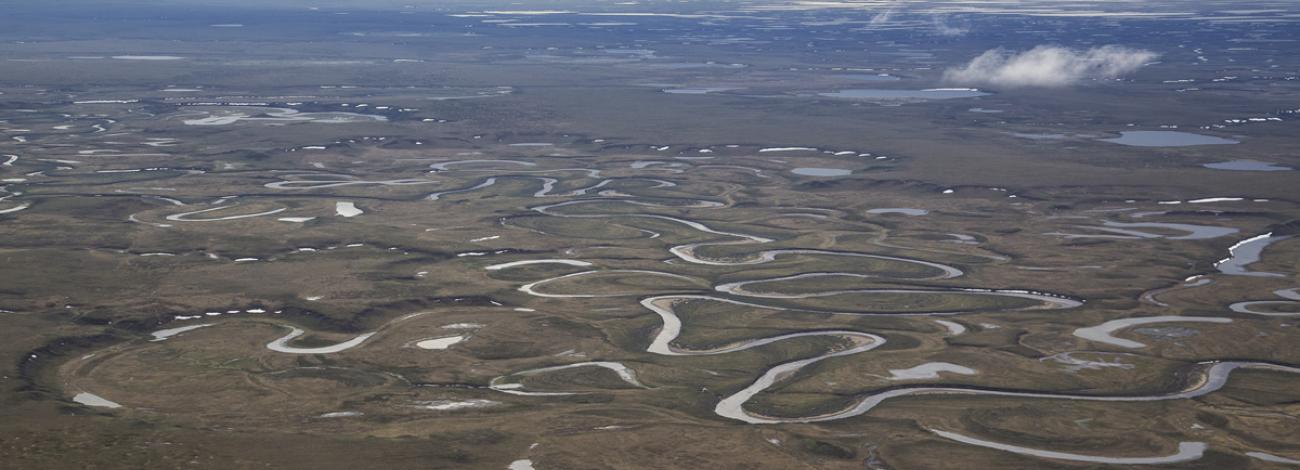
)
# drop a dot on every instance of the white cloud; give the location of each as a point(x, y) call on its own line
point(943, 28)
point(1049, 66)
point(881, 18)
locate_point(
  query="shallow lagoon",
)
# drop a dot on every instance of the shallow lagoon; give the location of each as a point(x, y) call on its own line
point(1166, 139)
point(1246, 165)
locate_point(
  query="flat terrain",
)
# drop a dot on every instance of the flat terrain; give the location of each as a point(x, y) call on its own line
point(645, 236)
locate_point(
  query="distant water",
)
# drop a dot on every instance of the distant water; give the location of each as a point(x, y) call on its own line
point(1034, 136)
point(880, 94)
point(1247, 165)
point(810, 171)
point(898, 210)
point(1166, 139)
point(869, 77)
point(696, 91)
